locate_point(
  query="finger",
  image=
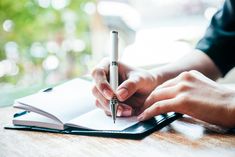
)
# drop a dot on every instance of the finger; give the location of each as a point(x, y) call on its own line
point(126, 111)
point(168, 83)
point(123, 110)
point(158, 108)
point(201, 77)
point(102, 100)
point(196, 73)
point(103, 103)
point(119, 110)
point(108, 113)
point(127, 89)
point(100, 77)
point(100, 106)
point(159, 95)
point(186, 76)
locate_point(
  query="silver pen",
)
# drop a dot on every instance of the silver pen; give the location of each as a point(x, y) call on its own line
point(113, 72)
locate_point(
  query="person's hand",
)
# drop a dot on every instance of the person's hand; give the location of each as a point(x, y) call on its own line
point(135, 86)
point(193, 94)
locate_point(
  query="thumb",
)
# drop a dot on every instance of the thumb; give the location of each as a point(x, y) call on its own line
point(127, 89)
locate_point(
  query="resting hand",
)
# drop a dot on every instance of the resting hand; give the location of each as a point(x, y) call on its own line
point(193, 94)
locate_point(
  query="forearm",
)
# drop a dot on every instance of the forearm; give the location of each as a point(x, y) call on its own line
point(192, 61)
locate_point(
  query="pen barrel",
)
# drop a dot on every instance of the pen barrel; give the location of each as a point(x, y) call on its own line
point(114, 77)
point(114, 60)
point(114, 46)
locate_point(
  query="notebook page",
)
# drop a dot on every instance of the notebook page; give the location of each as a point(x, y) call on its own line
point(34, 119)
point(65, 101)
point(98, 120)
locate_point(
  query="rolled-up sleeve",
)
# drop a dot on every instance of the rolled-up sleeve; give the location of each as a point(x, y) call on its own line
point(219, 40)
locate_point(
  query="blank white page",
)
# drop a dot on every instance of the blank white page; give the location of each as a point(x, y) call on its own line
point(98, 120)
point(66, 101)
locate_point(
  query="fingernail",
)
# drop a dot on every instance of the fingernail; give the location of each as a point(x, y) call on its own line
point(127, 112)
point(119, 113)
point(122, 93)
point(140, 117)
point(107, 93)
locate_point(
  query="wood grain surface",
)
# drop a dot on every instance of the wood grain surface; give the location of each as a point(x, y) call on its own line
point(186, 137)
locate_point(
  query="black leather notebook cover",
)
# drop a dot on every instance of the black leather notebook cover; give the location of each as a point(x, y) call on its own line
point(137, 131)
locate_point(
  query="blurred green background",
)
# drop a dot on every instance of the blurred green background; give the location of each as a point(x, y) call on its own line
point(46, 42)
point(42, 42)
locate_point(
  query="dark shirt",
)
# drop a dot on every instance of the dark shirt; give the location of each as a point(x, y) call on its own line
point(219, 40)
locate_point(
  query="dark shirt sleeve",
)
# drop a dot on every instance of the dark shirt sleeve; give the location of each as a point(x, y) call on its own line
point(219, 40)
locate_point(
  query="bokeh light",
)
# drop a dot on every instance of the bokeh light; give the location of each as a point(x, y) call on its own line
point(51, 63)
point(12, 50)
point(90, 8)
point(8, 67)
point(37, 50)
point(8, 25)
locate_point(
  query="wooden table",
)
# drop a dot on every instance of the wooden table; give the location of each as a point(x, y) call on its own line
point(185, 137)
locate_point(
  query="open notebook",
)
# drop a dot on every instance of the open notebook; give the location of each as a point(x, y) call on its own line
point(70, 108)
point(68, 105)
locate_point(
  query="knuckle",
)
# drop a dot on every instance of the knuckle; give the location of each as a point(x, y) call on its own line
point(102, 85)
point(98, 72)
point(187, 76)
point(183, 98)
point(157, 106)
point(131, 84)
point(94, 90)
point(140, 78)
point(106, 103)
point(193, 71)
point(93, 72)
point(183, 86)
